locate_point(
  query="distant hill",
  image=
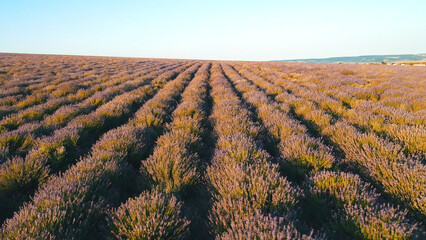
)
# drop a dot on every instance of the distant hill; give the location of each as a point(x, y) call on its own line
point(363, 59)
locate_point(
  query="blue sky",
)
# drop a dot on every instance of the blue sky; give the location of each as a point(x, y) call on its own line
point(234, 30)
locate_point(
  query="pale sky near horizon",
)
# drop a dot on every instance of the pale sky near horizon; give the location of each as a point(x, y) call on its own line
point(232, 30)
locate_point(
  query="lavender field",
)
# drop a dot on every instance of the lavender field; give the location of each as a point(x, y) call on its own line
point(134, 148)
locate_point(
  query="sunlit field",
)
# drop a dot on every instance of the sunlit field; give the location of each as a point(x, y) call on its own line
point(134, 148)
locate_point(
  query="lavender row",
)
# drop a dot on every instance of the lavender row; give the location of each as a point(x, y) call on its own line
point(21, 75)
point(250, 198)
point(367, 221)
point(20, 141)
point(396, 87)
point(169, 171)
point(20, 177)
point(398, 125)
point(75, 204)
point(51, 88)
point(382, 162)
point(299, 153)
point(71, 93)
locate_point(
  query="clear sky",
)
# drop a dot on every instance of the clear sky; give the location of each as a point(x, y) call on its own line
point(237, 30)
